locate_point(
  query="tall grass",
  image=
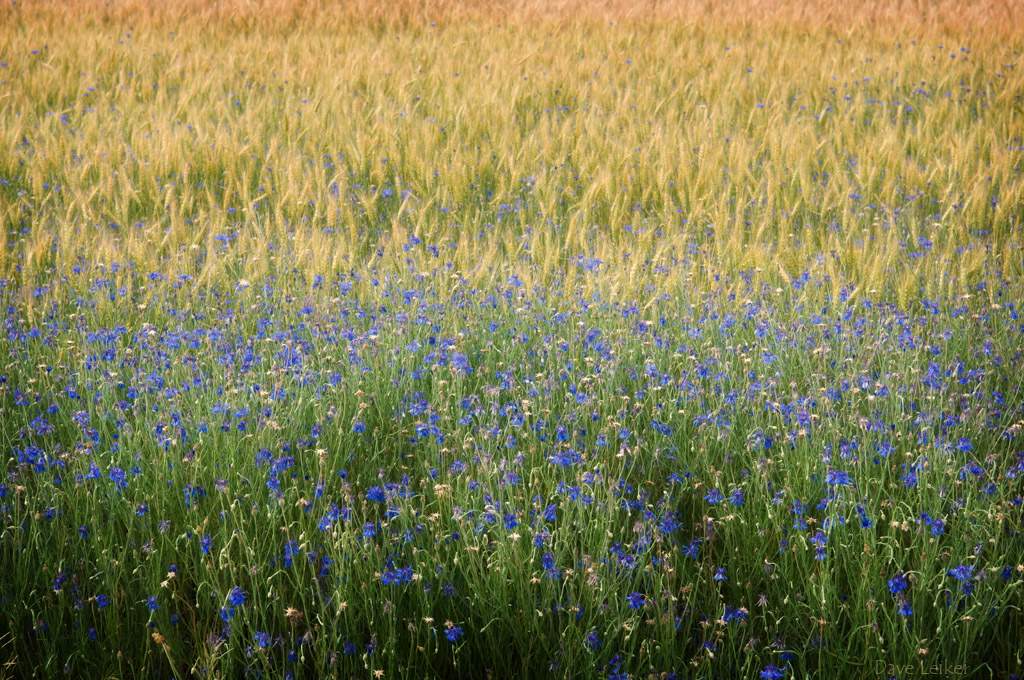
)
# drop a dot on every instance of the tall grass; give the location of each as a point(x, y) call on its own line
point(511, 339)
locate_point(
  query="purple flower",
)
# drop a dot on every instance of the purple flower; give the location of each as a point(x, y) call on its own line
point(262, 639)
point(453, 633)
point(636, 600)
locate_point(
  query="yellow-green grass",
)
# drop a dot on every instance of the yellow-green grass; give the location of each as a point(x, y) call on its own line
point(180, 124)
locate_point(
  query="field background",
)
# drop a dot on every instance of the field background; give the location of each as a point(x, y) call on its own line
point(236, 227)
point(740, 136)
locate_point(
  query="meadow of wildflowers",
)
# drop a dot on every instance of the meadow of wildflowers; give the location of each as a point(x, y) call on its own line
point(506, 340)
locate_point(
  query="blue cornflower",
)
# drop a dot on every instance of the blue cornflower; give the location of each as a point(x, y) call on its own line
point(713, 496)
point(734, 614)
point(898, 583)
point(236, 597)
point(205, 543)
point(151, 603)
point(837, 478)
point(359, 426)
point(770, 672)
point(692, 550)
point(102, 600)
point(548, 561)
point(593, 642)
point(117, 476)
point(453, 632)
point(397, 576)
point(636, 600)
point(141, 509)
point(83, 532)
point(937, 525)
point(262, 639)
point(962, 573)
point(720, 574)
point(905, 609)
